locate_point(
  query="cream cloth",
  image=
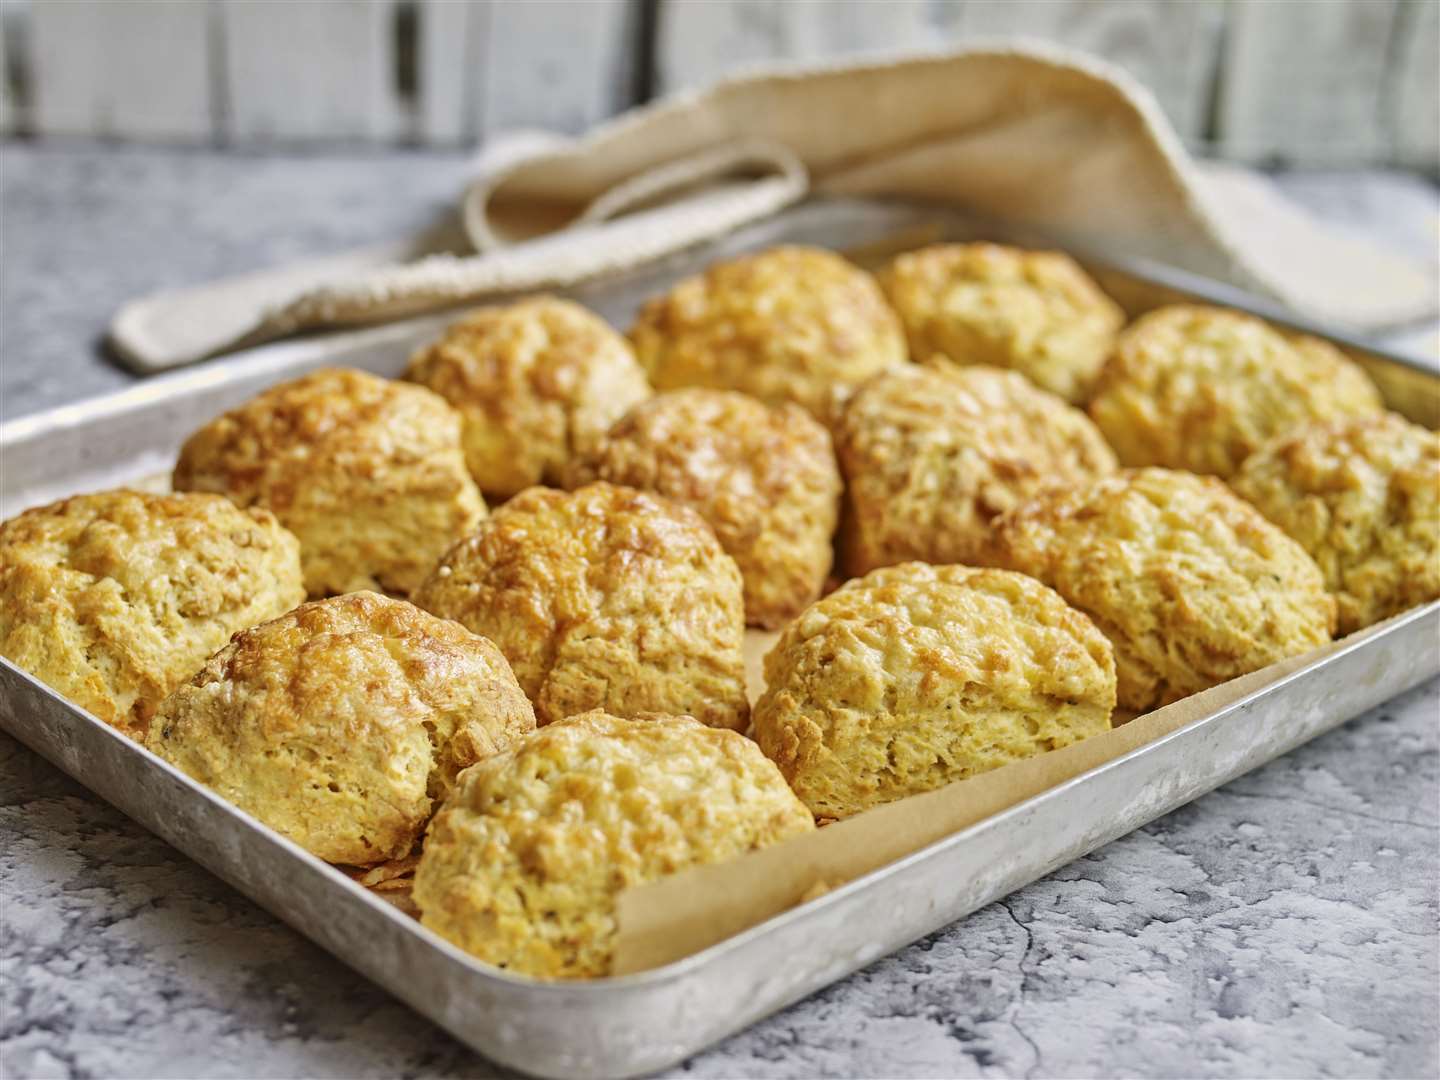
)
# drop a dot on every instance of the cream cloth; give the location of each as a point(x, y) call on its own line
point(1021, 132)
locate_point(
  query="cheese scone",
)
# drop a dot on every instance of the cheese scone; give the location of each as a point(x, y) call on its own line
point(763, 476)
point(536, 381)
point(1362, 496)
point(523, 864)
point(1035, 312)
point(1190, 582)
point(1201, 388)
point(915, 676)
point(603, 598)
point(343, 723)
point(930, 457)
point(367, 472)
point(794, 324)
point(113, 598)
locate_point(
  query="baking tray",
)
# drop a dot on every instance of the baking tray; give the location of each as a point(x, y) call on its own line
point(634, 1024)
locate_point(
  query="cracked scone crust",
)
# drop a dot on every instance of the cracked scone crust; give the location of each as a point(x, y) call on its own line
point(341, 723)
point(1363, 498)
point(788, 324)
point(536, 381)
point(1201, 388)
point(523, 864)
point(1035, 312)
point(763, 476)
point(931, 457)
point(367, 472)
point(112, 599)
point(916, 676)
point(603, 598)
point(1190, 582)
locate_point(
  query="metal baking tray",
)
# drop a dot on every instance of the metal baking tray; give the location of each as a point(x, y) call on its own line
point(634, 1024)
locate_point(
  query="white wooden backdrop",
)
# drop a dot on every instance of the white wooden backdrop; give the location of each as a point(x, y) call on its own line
point(1296, 81)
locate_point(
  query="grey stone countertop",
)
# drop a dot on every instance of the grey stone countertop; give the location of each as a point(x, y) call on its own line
point(1284, 925)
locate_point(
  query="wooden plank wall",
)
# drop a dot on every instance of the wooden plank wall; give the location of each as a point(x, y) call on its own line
point(1412, 104)
point(129, 68)
point(1284, 101)
point(8, 113)
point(1168, 46)
point(1317, 82)
point(307, 70)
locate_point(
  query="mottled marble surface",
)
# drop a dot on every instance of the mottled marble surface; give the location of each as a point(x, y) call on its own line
point(1285, 925)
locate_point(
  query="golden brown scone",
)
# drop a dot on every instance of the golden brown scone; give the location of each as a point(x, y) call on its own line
point(931, 456)
point(367, 472)
point(1190, 582)
point(523, 864)
point(763, 476)
point(1035, 312)
point(536, 381)
point(604, 597)
point(1362, 496)
point(339, 723)
point(788, 324)
point(1201, 388)
point(916, 675)
point(112, 599)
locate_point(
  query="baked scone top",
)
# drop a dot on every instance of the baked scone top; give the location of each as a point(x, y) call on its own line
point(931, 456)
point(1201, 388)
point(1362, 496)
point(794, 324)
point(523, 864)
point(1035, 312)
point(763, 476)
point(367, 472)
point(917, 675)
point(536, 381)
point(1190, 582)
point(604, 597)
point(341, 722)
point(114, 598)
